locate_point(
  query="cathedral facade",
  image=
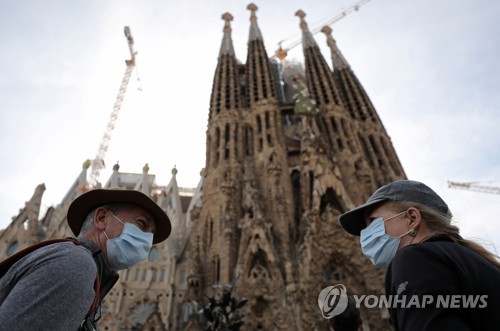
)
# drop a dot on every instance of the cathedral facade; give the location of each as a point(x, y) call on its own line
point(289, 148)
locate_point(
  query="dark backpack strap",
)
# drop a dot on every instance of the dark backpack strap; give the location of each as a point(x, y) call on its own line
point(7, 263)
point(96, 297)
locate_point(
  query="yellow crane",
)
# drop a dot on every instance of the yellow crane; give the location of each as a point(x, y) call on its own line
point(282, 52)
point(98, 161)
point(475, 186)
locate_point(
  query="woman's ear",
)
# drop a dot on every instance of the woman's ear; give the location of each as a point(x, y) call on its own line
point(414, 217)
point(100, 218)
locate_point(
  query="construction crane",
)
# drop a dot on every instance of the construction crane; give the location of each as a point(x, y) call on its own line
point(98, 162)
point(281, 53)
point(475, 186)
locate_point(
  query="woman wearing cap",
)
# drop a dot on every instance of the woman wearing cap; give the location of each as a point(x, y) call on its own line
point(440, 280)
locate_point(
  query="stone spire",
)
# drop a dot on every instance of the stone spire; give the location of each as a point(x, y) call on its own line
point(225, 104)
point(307, 38)
point(254, 28)
point(227, 42)
point(361, 127)
point(260, 80)
point(318, 75)
point(145, 185)
point(33, 209)
point(355, 99)
point(338, 60)
point(225, 95)
point(114, 180)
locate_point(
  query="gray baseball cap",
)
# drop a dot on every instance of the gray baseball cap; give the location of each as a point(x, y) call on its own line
point(353, 221)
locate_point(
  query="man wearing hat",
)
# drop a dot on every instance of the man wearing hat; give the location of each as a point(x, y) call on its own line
point(405, 227)
point(60, 284)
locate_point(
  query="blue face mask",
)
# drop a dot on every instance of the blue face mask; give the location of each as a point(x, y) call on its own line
point(377, 245)
point(132, 246)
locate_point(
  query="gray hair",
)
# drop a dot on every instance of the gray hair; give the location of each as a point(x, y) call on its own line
point(112, 207)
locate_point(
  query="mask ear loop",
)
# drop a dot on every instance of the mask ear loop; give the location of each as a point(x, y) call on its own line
point(119, 220)
point(411, 232)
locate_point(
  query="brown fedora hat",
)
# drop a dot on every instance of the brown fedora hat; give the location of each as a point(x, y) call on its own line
point(90, 200)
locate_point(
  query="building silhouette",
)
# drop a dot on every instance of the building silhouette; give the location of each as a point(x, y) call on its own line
point(289, 148)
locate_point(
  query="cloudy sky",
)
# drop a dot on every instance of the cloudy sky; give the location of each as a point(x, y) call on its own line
point(431, 68)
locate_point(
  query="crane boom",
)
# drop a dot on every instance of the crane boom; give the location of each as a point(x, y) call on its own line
point(282, 52)
point(474, 186)
point(98, 162)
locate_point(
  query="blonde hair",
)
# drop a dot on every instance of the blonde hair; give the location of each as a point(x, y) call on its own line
point(440, 224)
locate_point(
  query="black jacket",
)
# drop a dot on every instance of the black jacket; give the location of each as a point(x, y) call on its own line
point(444, 286)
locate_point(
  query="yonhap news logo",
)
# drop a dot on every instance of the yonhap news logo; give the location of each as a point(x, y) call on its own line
point(332, 300)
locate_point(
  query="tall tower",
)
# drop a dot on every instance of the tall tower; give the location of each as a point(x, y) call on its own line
point(279, 171)
point(246, 181)
point(361, 127)
point(223, 166)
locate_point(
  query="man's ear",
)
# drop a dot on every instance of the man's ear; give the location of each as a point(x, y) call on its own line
point(100, 218)
point(415, 218)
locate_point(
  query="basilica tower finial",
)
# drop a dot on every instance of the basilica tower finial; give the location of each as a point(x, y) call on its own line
point(318, 75)
point(301, 14)
point(228, 18)
point(339, 62)
point(227, 43)
point(253, 8)
point(254, 28)
point(307, 38)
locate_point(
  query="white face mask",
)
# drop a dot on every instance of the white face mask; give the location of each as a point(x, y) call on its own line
point(129, 248)
point(377, 245)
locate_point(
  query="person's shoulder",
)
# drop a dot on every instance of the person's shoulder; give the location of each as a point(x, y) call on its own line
point(424, 256)
point(63, 248)
point(64, 254)
point(434, 247)
point(422, 267)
